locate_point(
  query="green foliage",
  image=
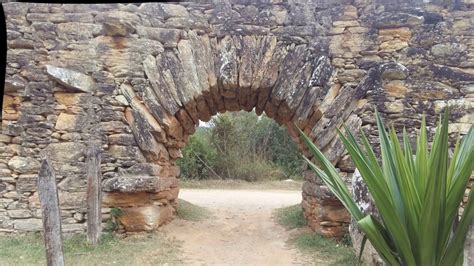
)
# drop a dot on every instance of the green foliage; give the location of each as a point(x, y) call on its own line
point(291, 217)
point(258, 170)
point(191, 212)
point(112, 224)
point(115, 212)
point(242, 146)
point(418, 197)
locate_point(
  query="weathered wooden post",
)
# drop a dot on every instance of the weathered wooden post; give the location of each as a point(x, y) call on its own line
point(94, 195)
point(48, 196)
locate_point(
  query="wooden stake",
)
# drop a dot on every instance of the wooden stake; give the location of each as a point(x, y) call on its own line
point(48, 196)
point(94, 195)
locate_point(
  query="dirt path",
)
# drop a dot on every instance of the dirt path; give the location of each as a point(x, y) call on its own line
point(241, 230)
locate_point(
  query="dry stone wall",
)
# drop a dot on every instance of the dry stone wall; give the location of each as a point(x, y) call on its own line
point(137, 78)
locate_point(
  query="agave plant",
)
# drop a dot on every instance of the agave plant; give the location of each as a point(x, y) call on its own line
point(418, 196)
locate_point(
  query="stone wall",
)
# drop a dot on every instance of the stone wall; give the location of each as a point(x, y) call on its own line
point(137, 78)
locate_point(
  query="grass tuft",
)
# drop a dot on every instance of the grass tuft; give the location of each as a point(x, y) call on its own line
point(321, 250)
point(291, 217)
point(324, 248)
point(190, 212)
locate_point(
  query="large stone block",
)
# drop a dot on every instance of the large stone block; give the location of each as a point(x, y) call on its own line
point(32, 224)
point(27, 183)
point(126, 152)
point(23, 165)
point(122, 199)
point(65, 151)
point(67, 200)
point(146, 218)
point(68, 122)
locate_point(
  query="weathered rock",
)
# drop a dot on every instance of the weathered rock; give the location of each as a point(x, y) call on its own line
point(227, 66)
point(67, 200)
point(163, 85)
point(19, 214)
point(395, 20)
point(118, 23)
point(71, 79)
point(65, 152)
point(27, 183)
point(447, 49)
point(66, 122)
point(146, 218)
point(126, 152)
point(69, 99)
point(32, 224)
point(14, 84)
point(168, 37)
point(139, 184)
point(23, 165)
point(142, 130)
point(144, 169)
point(121, 139)
point(396, 88)
point(402, 33)
point(394, 71)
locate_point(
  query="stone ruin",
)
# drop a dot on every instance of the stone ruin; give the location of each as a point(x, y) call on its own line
point(137, 78)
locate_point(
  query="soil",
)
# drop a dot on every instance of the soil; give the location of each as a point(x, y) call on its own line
point(240, 231)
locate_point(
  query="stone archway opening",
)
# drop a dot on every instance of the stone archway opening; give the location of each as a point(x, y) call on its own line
point(240, 146)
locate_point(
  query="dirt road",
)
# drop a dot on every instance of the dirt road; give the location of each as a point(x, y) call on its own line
point(241, 230)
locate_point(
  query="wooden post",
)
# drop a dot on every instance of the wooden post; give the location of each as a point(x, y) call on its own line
point(94, 195)
point(48, 196)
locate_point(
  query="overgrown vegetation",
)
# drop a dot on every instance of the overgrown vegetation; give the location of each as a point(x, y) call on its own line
point(418, 196)
point(140, 249)
point(321, 250)
point(241, 145)
point(191, 212)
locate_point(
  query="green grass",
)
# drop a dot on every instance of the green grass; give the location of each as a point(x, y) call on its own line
point(133, 250)
point(335, 253)
point(291, 217)
point(321, 250)
point(191, 212)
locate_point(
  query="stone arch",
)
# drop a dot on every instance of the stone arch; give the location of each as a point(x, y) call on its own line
point(291, 83)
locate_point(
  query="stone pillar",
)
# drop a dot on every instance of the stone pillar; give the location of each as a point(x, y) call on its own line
point(361, 195)
point(324, 212)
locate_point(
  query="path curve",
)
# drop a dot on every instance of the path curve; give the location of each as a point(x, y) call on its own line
point(241, 230)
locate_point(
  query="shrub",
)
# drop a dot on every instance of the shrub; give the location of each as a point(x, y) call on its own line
point(258, 170)
point(418, 197)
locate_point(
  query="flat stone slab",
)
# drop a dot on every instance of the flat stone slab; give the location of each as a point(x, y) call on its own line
point(128, 184)
point(71, 79)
